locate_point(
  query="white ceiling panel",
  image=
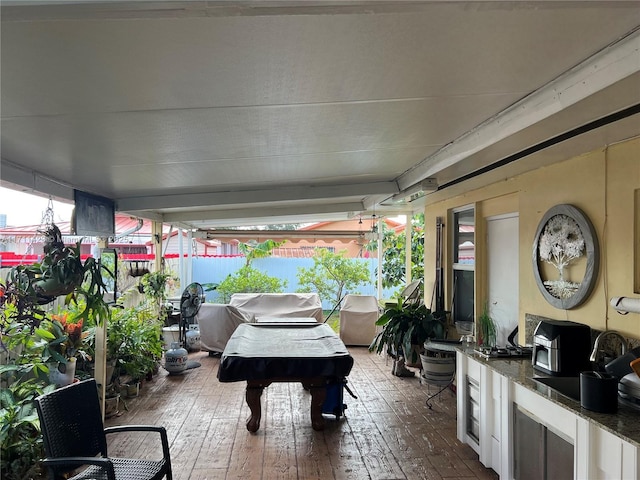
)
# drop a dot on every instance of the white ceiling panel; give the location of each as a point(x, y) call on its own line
point(193, 102)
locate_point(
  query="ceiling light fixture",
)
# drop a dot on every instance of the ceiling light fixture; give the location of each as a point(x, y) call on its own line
point(414, 192)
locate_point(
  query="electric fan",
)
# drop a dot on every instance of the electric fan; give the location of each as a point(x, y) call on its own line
point(189, 305)
point(190, 302)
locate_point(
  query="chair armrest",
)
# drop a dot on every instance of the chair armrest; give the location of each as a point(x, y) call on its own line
point(75, 462)
point(143, 428)
point(133, 428)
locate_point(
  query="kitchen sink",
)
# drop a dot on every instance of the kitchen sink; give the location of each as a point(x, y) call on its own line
point(567, 386)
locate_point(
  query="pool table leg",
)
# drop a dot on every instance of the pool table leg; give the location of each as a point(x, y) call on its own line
point(253, 401)
point(318, 395)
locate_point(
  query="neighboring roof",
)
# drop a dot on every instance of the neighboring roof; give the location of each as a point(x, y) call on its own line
point(355, 224)
point(343, 231)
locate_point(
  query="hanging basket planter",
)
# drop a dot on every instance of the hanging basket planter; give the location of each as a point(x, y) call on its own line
point(138, 268)
point(53, 288)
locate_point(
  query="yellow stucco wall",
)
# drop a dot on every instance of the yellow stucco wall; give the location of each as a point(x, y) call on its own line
point(605, 185)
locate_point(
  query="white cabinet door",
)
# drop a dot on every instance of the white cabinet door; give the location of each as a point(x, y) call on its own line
point(468, 401)
point(491, 418)
point(611, 457)
point(480, 423)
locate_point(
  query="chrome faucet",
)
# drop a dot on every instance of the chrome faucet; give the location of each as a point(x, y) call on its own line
point(597, 355)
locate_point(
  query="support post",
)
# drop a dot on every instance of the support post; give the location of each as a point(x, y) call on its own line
point(156, 234)
point(408, 230)
point(379, 248)
point(100, 373)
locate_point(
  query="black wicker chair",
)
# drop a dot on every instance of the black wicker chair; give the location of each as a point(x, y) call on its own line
point(75, 437)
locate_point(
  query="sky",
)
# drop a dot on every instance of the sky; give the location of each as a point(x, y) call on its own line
point(25, 209)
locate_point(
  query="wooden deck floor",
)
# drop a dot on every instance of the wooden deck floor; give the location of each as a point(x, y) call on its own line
point(388, 432)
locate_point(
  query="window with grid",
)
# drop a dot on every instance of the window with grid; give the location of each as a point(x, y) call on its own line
point(464, 259)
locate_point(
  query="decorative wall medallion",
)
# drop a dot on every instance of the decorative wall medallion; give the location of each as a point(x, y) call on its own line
point(565, 235)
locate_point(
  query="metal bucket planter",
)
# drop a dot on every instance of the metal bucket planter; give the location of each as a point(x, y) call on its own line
point(111, 405)
point(131, 389)
point(438, 370)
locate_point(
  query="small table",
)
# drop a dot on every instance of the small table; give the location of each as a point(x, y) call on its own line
point(260, 354)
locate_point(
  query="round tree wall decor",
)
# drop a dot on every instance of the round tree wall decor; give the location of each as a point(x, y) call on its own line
point(564, 236)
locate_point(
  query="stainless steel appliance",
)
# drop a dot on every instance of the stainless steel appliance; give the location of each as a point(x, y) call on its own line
point(511, 350)
point(508, 351)
point(561, 347)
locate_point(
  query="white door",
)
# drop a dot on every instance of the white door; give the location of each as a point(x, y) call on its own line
point(502, 244)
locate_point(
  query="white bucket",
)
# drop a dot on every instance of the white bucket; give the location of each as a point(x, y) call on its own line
point(170, 334)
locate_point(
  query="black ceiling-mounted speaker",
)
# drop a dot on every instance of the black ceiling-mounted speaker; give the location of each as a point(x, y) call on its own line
point(93, 215)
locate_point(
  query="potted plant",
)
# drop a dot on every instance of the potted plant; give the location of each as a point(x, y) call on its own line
point(115, 338)
point(487, 328)
point(64, 344)
point(141, 347)
point(111, 401)
point(154, 285)
point(405, 328)
point(23, 296)
point(61, 272)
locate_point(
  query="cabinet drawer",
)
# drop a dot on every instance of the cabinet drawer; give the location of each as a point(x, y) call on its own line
point(473, 389)
point(474, 429)
point(473, 369)
point(474, 410)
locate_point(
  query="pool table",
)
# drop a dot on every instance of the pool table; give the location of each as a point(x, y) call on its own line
point(260, 354)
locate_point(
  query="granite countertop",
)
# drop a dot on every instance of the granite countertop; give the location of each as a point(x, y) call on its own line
point(625, 423)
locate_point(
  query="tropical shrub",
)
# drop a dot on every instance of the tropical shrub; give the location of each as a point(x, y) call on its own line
point(23, 377)
point(20, 437)
point(139, 337)
point(332, 275)
point(249, 280)
point(404, 326)
point(393, 255)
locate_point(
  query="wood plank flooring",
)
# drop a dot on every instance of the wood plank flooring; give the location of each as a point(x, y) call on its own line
point(387, 433)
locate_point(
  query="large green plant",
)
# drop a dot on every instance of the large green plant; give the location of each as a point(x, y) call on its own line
point(20, 436)
point(332, 275)
point(141, 347)
point(61, 273)
point(404, 326)
point(24, 376)
point(394, 257)
point(253, 249)
point(249, 280)
point(155, 286)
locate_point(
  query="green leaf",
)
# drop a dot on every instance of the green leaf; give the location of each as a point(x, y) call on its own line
point(45, 334)
point(6, 398)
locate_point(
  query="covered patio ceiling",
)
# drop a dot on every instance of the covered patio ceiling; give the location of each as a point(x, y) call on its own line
point(226, 113)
